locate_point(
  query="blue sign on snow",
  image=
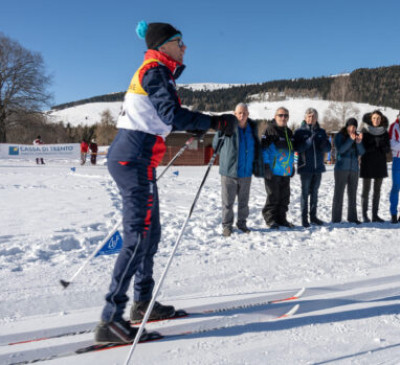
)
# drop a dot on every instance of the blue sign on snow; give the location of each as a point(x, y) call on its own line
point(113, 245)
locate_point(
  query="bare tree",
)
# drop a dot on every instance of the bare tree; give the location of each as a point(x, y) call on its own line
point(23, 82)
point(337, 114)
point(106, 130)
point(341, 108)
point(341, 89)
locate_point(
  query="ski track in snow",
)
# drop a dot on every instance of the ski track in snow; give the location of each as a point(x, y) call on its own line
point(52, 219)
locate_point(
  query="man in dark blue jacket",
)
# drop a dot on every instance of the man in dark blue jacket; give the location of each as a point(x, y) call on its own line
point(311, 142)
point(151, 110)
point(237, 159)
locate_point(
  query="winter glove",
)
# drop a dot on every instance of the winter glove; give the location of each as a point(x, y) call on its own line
point(267, 172)
point(224, 123)
point(197, 133)
point(268, 139)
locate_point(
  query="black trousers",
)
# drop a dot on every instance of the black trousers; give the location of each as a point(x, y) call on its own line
point(310, 183)
point(376, 196)
point(343, 180)
point(278, 199)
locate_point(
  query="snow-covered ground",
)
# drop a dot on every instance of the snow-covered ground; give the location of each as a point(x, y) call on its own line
point(53, 217)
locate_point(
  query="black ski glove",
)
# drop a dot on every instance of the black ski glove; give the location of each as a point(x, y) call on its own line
point(267, 172)
point(224, 123)
point(198, 133)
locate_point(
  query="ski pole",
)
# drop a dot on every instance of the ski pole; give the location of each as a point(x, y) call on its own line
point(160, 282)
point(183, 149)
point(65, 283)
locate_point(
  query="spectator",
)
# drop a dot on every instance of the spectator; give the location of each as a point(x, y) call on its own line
point(84, 151)
point(93, 151)
point(311, 142)
point(278, 156)
point(349, 147)
point(394, 134)
point(37, 142)
point(237, 156)
point(373, 164)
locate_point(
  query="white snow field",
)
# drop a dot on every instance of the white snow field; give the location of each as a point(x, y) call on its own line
point(53, 217)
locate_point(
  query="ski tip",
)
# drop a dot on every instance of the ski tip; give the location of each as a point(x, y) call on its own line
point(64, 283)
point(300, 292)
point(290, 312)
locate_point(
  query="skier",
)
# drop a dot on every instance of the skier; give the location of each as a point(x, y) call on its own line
point(37, 142)
point(151, 110)
point(93, 149)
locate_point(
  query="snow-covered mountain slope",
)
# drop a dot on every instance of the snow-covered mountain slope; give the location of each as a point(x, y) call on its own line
point(53, 217)
point(89, 114)
point(206, 86)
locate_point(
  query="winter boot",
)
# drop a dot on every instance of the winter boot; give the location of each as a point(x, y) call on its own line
point(286, 223)
point(305, 223)
point(378, 219)
point(243, 227)
point(115, 332)
point(317, 221)
point(227, 231)
point(365, 218)
point(159, 311)
point(394, 219)
point(273, 225)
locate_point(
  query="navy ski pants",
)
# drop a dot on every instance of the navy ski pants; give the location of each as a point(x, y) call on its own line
point(142, 232)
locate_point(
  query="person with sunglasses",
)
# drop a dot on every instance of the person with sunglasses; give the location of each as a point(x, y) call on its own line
point(150, 111)
point(311, 142)
point(278, 156)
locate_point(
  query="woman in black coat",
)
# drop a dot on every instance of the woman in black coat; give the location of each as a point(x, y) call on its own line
point(373, 162)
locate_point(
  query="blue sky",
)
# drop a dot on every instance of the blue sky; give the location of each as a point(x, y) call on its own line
point(91, 48)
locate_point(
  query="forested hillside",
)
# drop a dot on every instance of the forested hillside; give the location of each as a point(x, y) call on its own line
point(378, 86)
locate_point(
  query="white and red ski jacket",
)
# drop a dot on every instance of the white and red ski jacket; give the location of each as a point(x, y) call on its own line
point(394, 133)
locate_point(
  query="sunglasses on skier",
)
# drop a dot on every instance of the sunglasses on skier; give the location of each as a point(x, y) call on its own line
point(180, 42)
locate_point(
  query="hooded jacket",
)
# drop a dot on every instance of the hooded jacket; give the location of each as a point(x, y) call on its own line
point(311, 142)
point(377, 144)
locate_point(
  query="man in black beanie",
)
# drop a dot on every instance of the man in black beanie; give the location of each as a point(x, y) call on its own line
point(151, 110)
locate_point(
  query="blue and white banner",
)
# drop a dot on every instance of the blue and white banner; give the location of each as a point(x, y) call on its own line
point(113, 245)
point(68, 150)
